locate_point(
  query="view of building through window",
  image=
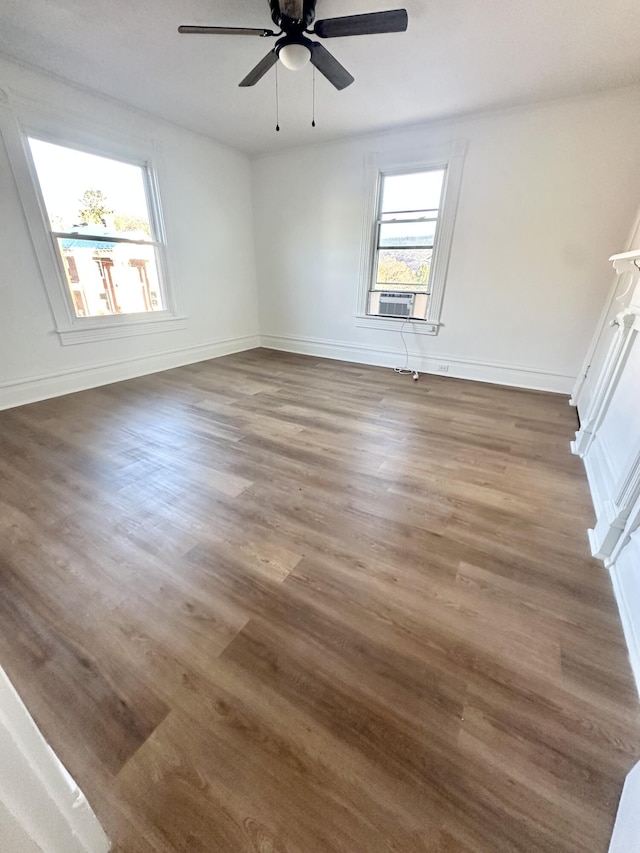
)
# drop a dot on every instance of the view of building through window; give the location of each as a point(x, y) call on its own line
point(407, 220)
point(99, 219)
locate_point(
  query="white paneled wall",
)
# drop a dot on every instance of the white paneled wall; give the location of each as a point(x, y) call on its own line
point(609, 442)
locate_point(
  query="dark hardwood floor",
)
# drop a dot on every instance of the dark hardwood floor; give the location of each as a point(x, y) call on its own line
point(275, 604)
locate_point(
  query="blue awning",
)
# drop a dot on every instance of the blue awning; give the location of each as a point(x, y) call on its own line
point(87, 244)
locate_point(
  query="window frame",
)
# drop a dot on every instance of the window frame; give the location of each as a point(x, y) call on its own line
point(450, 158)
point(21, 122)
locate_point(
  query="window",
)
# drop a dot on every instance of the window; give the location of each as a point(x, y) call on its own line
point(91, 200)
point(102, 230)
point(406, 228)
point(408, 231)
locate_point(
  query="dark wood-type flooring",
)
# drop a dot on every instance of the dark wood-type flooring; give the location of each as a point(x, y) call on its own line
point(276, 604)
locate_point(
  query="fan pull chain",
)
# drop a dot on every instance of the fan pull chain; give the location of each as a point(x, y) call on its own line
point(313, 119)
point(277, 103)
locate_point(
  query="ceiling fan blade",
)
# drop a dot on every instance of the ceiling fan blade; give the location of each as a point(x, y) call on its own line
point(328, 65)
point(225, 31)
point(395, 21)
point(261, 69)
point(292, 9)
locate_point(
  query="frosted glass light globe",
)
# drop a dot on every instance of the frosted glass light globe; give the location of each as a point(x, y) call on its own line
point(294, 56)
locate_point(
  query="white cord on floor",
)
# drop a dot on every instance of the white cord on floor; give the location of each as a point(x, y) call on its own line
point(406, 370)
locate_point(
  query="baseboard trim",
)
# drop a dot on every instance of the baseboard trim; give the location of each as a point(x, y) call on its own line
point(19, 392)
point(459, 368)
point(30, 389)
point(630, 635)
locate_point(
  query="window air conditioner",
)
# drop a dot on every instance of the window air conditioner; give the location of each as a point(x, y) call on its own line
point(396, 304)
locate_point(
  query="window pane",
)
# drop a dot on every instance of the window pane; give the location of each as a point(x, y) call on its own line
point(403, 269)
point(419, 191)
point(110, 278)
point(89, 192)
point(399, 234)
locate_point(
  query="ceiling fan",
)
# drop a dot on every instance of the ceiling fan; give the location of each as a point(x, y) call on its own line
point(294, 49)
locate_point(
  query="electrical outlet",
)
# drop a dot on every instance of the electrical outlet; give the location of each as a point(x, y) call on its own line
point(442, 368)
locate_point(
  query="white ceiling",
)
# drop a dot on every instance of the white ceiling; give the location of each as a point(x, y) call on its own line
point(458, 56)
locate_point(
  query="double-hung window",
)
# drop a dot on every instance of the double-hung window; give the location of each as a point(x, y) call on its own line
point(408, 233)
point(406, 228)
point(92, 204)
point(102, 226)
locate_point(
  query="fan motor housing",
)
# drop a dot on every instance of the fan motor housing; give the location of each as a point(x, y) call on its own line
point(293, 39)
point(292, 26)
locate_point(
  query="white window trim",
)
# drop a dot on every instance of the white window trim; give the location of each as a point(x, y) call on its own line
point(450, 158)
point(21, 119)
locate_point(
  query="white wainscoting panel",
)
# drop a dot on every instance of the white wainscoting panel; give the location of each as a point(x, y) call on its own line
point(609, 443)
point(609, 436)
point(625, 574)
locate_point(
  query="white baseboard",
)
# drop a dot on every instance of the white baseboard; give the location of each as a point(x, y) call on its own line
point(31, 389)
point(459, 368)
point(629, 624)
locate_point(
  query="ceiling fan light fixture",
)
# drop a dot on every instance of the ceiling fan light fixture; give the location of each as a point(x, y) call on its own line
point(294, 56)
point(294, 18)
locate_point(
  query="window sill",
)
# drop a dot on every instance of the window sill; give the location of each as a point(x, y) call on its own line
point(119, 327)
point(394, 324)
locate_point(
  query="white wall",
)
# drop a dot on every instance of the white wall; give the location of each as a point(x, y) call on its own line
point(41, 807)
point(14, 836)
point(548, 193)
point(206, 195)
point(609, 443)
point(618, 298)
point(626, 832)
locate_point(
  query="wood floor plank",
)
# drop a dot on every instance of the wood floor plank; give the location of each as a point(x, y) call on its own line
point(281, 604)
